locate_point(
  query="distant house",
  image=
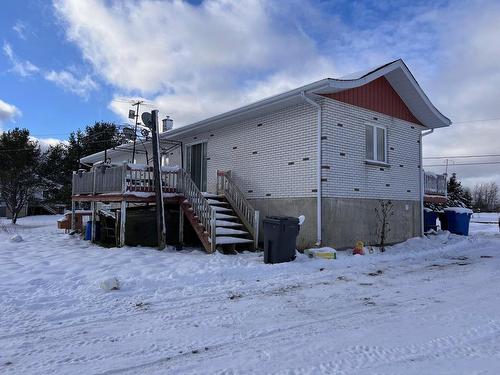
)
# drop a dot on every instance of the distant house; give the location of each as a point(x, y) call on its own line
point(329, 150)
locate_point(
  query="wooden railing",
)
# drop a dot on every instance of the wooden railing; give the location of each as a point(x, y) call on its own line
point(121, 179)
point(435, 184)
point(205, 213)
point(247, 214)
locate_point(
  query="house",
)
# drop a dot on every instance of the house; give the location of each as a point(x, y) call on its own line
point(330, 150)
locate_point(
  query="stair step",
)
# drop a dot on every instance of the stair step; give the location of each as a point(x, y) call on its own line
point(228, 240)
point(214, 202)
point(222, 209)
point(225, 217)
point(221, 231)
point(211, 195)
point(224, 223)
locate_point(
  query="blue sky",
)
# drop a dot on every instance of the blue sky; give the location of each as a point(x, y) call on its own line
point(63, 62)
point(34, 34)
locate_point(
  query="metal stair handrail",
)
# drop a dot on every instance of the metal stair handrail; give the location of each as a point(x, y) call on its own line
point(246, 212)
point(205, 213)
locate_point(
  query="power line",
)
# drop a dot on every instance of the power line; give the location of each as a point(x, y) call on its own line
point(480, 120)
point(462, 156)
point(457, 164)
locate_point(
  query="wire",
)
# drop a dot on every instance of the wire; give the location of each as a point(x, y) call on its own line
point(480, 120)
point(456, 164)
point(462, 156)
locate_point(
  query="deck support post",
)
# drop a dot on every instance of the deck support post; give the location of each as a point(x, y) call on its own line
point(123, 219)
point(181, 226)
point(73, 215)
point(93, 217)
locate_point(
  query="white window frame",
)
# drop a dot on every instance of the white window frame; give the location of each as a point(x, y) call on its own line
point(374, 140)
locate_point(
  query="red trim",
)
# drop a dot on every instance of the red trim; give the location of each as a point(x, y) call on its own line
point(379, 96)
point(434, 199)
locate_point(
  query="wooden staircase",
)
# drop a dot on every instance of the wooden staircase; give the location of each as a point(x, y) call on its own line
point(218, 219)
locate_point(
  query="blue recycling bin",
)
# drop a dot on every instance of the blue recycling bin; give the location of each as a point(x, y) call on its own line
point(429, 220)
point(88, 230)
point(458, 220)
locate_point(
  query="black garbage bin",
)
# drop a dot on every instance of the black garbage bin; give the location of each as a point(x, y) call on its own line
point(280, 238)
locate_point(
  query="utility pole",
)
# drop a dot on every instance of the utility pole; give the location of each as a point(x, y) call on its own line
point(137, 104)
point(160, 209)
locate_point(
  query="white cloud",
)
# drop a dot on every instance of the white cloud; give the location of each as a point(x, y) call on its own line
point(23, 68)
point(20, 28)
point(45, 143)
point(66, 80)
point(8, 112)
point(199, 60)
point(196, 61)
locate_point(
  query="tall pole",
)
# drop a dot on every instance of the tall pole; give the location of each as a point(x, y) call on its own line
point(160, 210)
point(137, 105)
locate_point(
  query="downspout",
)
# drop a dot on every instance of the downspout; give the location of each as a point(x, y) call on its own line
point(422, 185)
point(318, 166)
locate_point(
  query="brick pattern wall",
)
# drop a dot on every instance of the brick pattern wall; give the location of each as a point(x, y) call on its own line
point(272, 156)
point(345, 173)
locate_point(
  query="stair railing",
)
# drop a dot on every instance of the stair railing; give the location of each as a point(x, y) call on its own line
point(205, 213)
point(247, 214)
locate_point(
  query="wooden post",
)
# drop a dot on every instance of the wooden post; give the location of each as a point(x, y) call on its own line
point(181, 226)
point(92, 208)
point(124, 177)
point(94, 180)
point(160, 210)
point(213, 231)
point(73, 215)
point(123, 219)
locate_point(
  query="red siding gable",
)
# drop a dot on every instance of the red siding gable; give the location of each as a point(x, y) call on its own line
point(378, 96)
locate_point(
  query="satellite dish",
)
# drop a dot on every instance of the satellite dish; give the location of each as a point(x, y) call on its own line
point(128, 133)
point(147, 119)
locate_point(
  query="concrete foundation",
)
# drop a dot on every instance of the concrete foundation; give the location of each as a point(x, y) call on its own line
point(290, 207)
point(345, 220)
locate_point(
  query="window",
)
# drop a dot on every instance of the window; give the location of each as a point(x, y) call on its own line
point(376, 141)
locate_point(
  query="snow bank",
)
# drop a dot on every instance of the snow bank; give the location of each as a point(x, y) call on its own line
point(188, 312)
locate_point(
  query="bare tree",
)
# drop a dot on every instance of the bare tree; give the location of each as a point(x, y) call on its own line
point(383, 212)
point(485, 196)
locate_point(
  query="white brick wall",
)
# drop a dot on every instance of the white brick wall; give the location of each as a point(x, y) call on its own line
point(289, 135)
point(349, 172)
point(286, 136)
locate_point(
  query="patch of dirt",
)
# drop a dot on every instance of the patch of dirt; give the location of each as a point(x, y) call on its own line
point(367, 301)
point(487, 256)
point(436, 266)
point(365, 284)
point(460, 258)
point(142, 305)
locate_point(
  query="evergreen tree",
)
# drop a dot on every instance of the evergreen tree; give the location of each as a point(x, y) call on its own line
point(457, 195)
point(18, 169)
point(53, 168)
point(59, 162)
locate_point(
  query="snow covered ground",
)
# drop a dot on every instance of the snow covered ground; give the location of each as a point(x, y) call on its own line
point(428, 306)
